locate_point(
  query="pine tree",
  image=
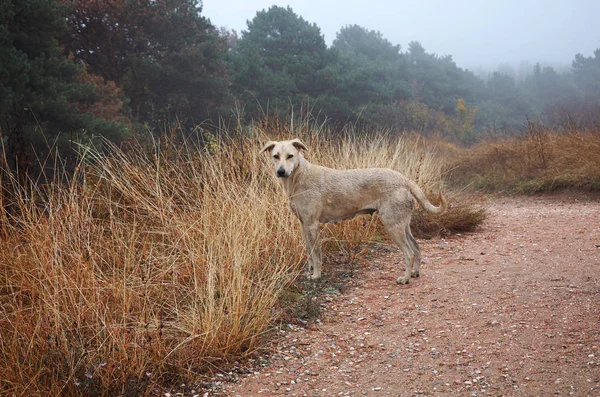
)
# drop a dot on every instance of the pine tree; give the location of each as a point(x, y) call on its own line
point(41, 89)
point(277, 59)
point(166, 57)
point(586, 72)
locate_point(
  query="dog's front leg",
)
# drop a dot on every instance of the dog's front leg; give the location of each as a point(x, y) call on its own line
point(313, 249)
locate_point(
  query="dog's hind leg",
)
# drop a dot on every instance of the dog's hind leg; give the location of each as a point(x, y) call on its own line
point(398, 236)
point(414, 246)
point(397, 232)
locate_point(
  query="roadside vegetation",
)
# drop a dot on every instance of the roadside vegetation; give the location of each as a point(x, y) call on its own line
point(542, 160)
point(147, 266)
point(153, 264)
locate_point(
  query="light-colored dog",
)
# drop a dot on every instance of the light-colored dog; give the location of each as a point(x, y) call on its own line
point(319, 195)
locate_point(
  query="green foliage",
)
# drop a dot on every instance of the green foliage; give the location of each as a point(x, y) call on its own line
point(41, 90)
point(502, 107)
point(357, 40)
point(71, 70)
point(437, 81)
point(544, 89)
point(366, 70)
point(586, 73)
point(168, 59)
point(281, 62)
point(277, 60)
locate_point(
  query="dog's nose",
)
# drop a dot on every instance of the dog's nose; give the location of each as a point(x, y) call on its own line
point(281, 171)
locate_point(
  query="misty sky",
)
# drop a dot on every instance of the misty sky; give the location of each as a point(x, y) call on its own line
point(475, 32)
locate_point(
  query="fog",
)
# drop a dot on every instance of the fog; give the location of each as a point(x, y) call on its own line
point(480, 35)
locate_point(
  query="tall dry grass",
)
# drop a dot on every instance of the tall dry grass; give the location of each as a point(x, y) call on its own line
point(141, 269)
point(147, 267)
point(541, 160)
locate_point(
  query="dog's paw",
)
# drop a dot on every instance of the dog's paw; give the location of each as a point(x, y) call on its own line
point(402, 280)
point(309, 272)
point(314, 276)
point(415, 274)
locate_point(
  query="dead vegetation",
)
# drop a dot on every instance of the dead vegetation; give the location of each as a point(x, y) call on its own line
point(542, 160)
point(147, 267)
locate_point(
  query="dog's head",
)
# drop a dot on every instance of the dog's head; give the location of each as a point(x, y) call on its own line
point(286, 155)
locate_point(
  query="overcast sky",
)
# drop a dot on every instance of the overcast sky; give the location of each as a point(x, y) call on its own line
point(475, 32)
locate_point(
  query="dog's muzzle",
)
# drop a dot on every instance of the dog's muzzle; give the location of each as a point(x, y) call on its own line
point(281, 172)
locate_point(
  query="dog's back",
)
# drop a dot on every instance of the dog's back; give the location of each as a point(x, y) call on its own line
point(344, 194)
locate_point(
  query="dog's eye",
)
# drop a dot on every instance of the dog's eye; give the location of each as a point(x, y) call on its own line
point(276, 157)
point(290, 156)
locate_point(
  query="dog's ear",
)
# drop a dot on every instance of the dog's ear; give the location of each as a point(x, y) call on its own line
point(268, 146)
point(298, 144)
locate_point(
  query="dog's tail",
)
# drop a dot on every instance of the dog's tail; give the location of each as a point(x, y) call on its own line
point(420, 196)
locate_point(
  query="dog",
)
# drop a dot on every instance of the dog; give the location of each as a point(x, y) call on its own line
point(320, 195)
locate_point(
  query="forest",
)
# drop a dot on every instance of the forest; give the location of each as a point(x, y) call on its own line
point(78, 71)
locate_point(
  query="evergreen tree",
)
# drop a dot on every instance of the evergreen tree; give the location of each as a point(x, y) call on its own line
point(544, 89)
point(369, 69)
point(437, 81)
point(168, 59)
point(277, 60)
point(503, 107)
point(586, 73)
point(370, 43)
point(43, 96)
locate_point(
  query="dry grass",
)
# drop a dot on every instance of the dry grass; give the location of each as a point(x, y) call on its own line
point(543, 160)
point(147, 268)
point(466, 213)
point(142, 269)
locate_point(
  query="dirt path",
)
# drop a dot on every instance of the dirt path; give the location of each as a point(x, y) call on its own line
point(511, 310)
